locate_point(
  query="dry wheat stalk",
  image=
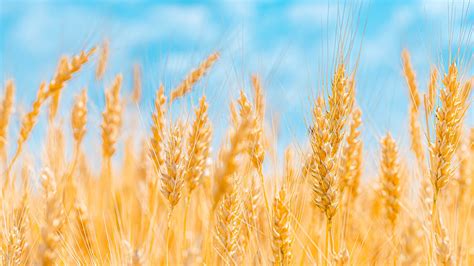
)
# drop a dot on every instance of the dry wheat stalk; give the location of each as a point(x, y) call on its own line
point(187, 84)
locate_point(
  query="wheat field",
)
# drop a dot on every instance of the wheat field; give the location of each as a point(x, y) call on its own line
point(171, 197)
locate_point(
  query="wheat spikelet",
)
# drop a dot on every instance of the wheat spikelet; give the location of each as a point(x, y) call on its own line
point(15, 250)
point(199, 142)
point(252, 201)
point(187, 84)
point(390, 178)
point(63, 74)
point(133, 257)
point(340, 101)
point(350, 167)
point(137, 84)
point(79, 116)
point(259, 98)
point(282, 239)
point(432, 90)
point(415, 128)
point(112, 118)
point(157, 129)
point(410, 77)
point(255, 147)
point(26, 126)
point(228, 225)
point(172, 179)
point(448, 125)
point(415, 135)
point(103, 58)
point(443, 247)
point(234, 115)
point(464, 178)
point(5, 112)
point(325, 183)
point(228, 155)
point(12, 253)
point(84, 234)
point(51, 232)
point(30, 118)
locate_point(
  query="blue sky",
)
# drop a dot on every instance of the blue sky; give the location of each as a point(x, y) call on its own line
point(287, 42)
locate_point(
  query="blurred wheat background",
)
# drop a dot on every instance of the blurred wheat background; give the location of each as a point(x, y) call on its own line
point(236, 133)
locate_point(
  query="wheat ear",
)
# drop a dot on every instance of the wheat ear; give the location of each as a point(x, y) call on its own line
point(64, 73)
point(282, 239)
point(390, 178)
point(54, 219)
point(27, 125)
point(187, 84)
point(137, 84)
point(103, 58)
point(5, 113)
point(158, 129)
point(228, 225)
point(199, 143)
point(172, 179)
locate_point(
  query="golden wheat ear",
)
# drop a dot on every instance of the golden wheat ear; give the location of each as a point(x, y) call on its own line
point(6, 107)
point(187, 84)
